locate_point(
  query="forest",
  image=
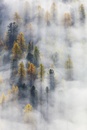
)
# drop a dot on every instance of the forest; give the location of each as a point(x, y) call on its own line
point(43, 79)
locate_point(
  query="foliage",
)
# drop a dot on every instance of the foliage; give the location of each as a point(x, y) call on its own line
point(36, 56)
point(16, 51)
point(69, 63)
point(11, 34)
point(21, 41)
point(21, 70)
point(28, 108)
point(41, 71)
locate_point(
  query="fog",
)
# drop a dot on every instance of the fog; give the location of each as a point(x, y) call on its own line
point(66, 107)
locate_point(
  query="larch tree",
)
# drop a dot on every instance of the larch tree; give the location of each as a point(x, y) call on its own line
point(17, 18)
point(21, 42)
point(16, 51)
point(67, 20)
point(16, 55)
point(47, 18)
point(39, 14)
point(54, 11)
point(21, 73)
point(69, 68)
point(41, 73)
point(31, 71)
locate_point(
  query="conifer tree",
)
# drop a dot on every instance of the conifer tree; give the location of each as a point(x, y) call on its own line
point(41, 72)
point(47, 18)
point(51, 79)
point(67, 19)
point(21, 73)
point(21, 41)
point(17, 18)
point(31, 73)
point(16, 51)
point(36, 56)
point(30, 56)
point(69, 67)
point(54, 11)
point(11, 35)
point(82, 13)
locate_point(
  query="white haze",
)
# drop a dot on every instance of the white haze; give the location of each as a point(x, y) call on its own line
point(68, 103)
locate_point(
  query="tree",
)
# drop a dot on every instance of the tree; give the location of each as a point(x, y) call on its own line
point(16, 51)
point(36, 56)
point(69, 66)
point(67, 19)
point(41, 72)
point(21, 73)
point(30, 47)
point(54, 11)
point(31, 73)
point(39, 14)
point(69, 63)
point(47, 18)
point(11, 34)
point(33, 96)
point(47, 99)
point(14, 69)
point(4, 16)
point(82, 13)
point(17, 18)
point(21, 41)
point(51, 79)
point(30, 56)
point(28, 108)
point(2, 98)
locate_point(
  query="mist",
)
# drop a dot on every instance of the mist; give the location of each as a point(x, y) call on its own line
point(58, 30)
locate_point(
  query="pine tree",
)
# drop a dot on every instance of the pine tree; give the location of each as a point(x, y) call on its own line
point(21, 41)
point(16, 51)
point(51, 79)
point(30, 56)
point(30, 47)
point(33, 96)
point(82, 13)
point(11, 34)
point(36, 56)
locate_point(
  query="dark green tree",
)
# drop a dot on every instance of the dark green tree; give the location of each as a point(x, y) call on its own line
point(36, 56)
point(11, 35)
